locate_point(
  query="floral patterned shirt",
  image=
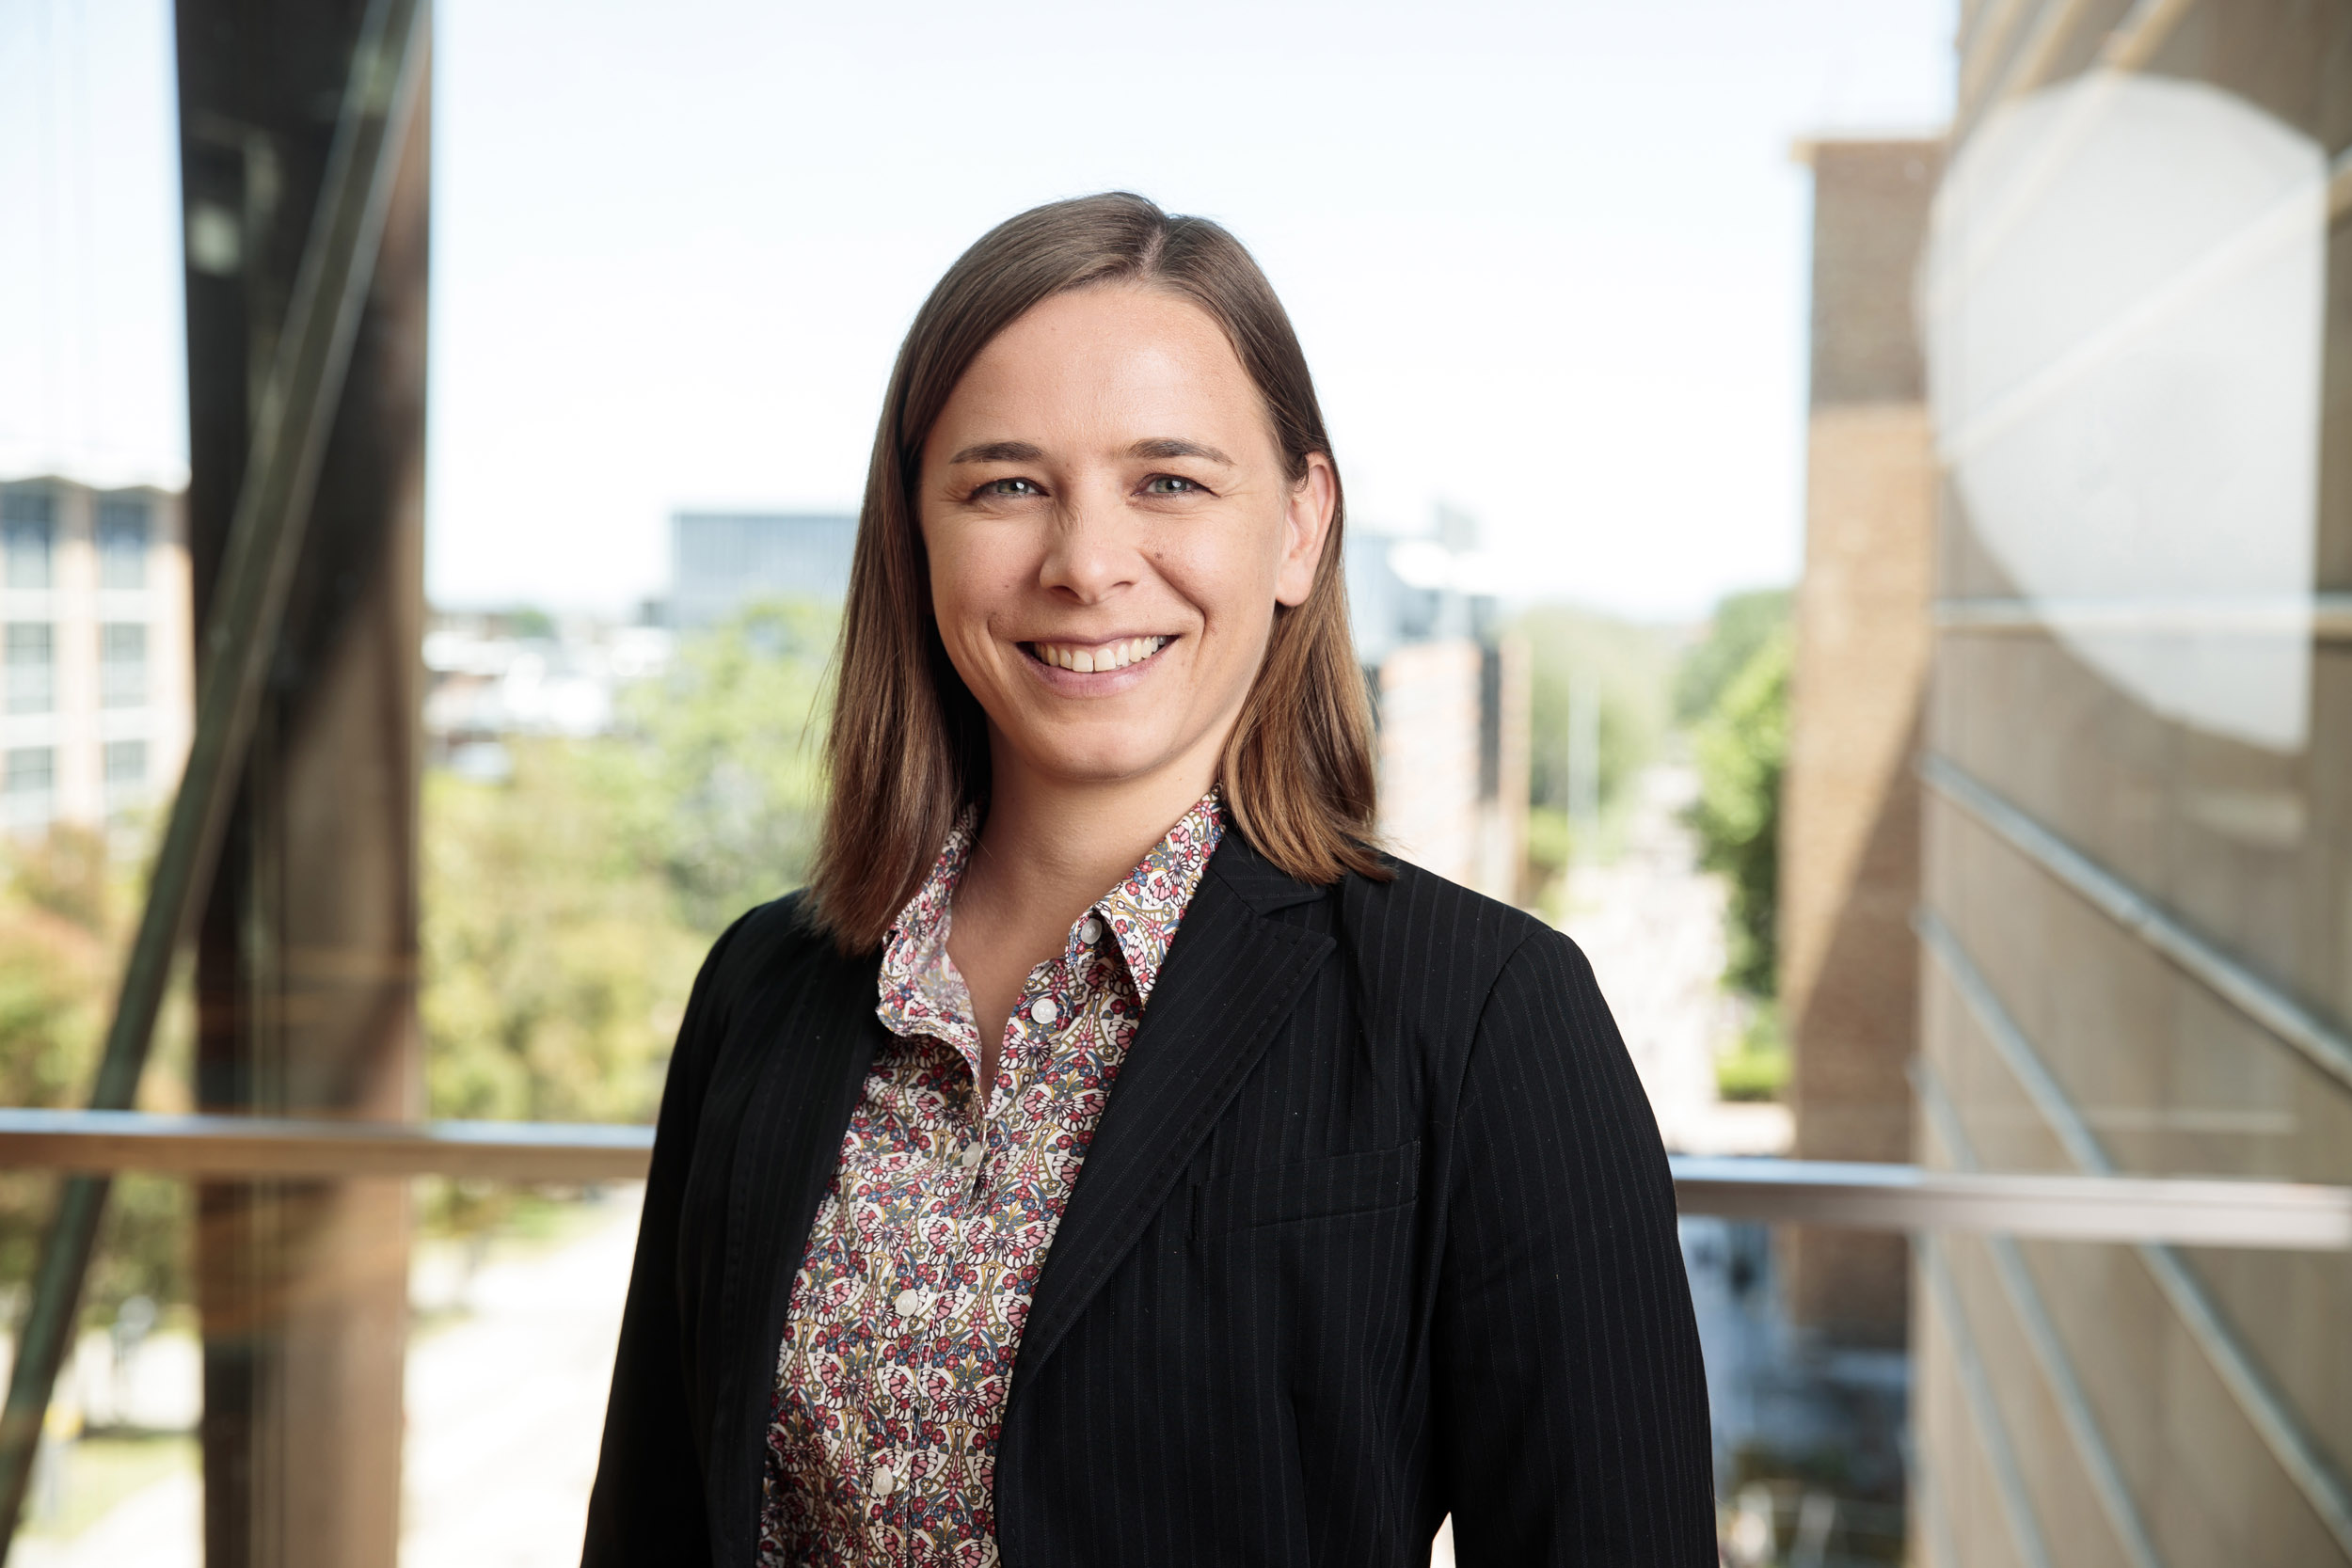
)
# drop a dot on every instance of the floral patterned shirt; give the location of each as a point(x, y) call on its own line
point(908, 1306)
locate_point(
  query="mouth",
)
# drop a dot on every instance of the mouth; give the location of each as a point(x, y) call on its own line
point(1095, 659)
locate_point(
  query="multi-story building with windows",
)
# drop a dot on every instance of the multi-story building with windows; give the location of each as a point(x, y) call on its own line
point(96, 681)
point(721, 561)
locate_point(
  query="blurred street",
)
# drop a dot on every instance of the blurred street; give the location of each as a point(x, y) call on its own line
point(1652, 924)
point(506, 1401)
point(506, 1381)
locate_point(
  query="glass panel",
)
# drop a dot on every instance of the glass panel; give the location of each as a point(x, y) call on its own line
point(28, 526)
point(123, 532)
point(122, 664)
point(32, 670)
point(28, 792)
point(126, 780)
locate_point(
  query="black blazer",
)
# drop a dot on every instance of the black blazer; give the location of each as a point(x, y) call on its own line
point(1375, 1228)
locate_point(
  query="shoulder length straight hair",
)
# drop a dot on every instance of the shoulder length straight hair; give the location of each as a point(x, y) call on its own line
point(907, 747)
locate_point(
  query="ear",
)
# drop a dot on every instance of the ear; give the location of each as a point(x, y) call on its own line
point(1306, 527)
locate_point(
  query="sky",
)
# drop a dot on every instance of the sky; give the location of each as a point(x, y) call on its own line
point(1548, 262)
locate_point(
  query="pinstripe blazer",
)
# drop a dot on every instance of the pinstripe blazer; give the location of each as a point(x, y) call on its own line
point(1375, 1228)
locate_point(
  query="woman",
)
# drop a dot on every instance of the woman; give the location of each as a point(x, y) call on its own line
point(1112, 1157)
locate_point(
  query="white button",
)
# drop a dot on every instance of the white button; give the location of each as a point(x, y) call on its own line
point(909, 1303)
point(972, 1156)
point(1090, 931)
point(885, 1483)
point(1044, 1010)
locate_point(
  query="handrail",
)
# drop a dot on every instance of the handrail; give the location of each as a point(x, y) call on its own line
point(261, 1147)
point(2275, 1214)
point(2286, 1215)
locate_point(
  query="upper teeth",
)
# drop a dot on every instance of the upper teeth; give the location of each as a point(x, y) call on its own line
point(1091, 659)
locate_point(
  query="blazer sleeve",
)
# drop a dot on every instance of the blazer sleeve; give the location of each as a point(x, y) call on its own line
point(647, 1506)
point(1571, 1398)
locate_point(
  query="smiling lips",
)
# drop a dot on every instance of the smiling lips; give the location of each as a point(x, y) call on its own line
point(1088, 658)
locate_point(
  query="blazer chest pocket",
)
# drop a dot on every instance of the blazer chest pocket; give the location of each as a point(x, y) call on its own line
point(1333, 1187)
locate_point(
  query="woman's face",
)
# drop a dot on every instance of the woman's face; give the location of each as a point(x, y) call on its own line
point(1109, 529)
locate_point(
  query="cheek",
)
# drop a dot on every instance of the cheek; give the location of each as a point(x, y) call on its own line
point(1227, 575)
point(967, 584)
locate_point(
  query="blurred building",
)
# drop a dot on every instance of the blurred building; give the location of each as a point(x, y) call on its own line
point(98, 687)
point(490, 676)
point(1849, 812)
point(721, 561)
point(1451, 695)
point(2137, 875)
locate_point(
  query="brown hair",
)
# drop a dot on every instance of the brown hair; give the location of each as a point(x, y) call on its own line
point(907, 747)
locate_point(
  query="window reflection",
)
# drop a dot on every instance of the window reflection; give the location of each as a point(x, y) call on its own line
point(2123, 298)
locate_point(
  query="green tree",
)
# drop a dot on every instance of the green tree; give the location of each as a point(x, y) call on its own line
point(567, 905)
point(1632, 666)
point(555, 964)
point(1742, 623)
point(1742, 749)
point(63, 898)
point(733, 740)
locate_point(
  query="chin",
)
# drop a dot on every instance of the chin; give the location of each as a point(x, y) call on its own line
point(1105, 759)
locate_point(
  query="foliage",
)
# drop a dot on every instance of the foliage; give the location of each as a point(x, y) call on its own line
point(1743, 747)
point(1549, 840)
point(732, 742)
point(567, 905)
point(555, 964)
point(63, 901)
point(1757, 1065)
point(1633, 665)
point(1742, 623)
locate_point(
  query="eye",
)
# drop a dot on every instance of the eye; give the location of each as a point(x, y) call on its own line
point(1173, 484)
point(1009, 488)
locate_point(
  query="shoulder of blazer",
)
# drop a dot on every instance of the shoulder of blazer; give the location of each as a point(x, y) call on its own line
point(769, 945)
point(1414, 928)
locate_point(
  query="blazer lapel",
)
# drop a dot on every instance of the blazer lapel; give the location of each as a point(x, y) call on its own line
point(816, 1052)
point(1230, 980)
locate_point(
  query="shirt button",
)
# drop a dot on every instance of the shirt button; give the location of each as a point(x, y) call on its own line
point(909, 1303)
point(885, 1483)
point(972, 1156)
point(1091, 931)
point(1044, 1010)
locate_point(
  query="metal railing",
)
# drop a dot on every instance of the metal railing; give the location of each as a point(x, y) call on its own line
point(2104, 1208)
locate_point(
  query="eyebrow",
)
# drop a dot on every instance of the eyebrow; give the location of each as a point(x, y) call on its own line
point(1153, 447)
point(1163, 447)
point(999, 451)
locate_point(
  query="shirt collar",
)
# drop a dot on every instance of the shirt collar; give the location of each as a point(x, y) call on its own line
point(1144, 908)
point(1141, 912)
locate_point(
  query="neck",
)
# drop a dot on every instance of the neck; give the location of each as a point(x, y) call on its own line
point(1050, 846)
point(1049, 849)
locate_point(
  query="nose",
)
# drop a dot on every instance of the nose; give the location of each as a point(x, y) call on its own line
point(1092, 552)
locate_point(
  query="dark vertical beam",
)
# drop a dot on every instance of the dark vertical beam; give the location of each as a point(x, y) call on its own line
point(307, 947)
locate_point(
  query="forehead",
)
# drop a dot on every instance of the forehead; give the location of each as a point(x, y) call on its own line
point(1112, 356)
